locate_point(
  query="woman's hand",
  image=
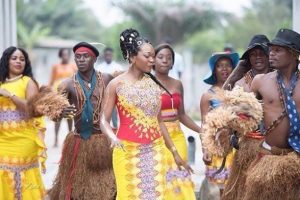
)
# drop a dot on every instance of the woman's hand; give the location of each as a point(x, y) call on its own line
point(206, 157)
point(181, 163)
point(116, 143)
point(5, 93)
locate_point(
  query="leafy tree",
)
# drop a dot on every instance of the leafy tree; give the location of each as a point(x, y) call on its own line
point(173, 19)
point(63, 18)
point(263, 17)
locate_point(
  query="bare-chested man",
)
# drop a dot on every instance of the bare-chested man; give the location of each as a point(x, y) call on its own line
point(85, 170)
point(275, 174)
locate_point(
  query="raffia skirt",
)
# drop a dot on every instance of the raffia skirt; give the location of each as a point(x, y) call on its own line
point(235, 186)
point(85, 171)
point(272, 176)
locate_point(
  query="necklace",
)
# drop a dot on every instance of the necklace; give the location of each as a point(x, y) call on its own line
point(13, 79)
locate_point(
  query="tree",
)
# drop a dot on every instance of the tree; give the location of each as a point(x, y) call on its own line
point(177, 19)
point(63, 18)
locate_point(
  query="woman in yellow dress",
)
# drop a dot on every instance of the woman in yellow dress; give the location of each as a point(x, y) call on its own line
point(22, 149)
point(138, 157)
point(179, 183)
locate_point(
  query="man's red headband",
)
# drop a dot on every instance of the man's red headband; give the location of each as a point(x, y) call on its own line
point(85, 49)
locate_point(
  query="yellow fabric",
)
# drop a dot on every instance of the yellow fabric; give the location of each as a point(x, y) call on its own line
point(221, 178)
point(179, 183)
point(138, 169)
point(21, 147)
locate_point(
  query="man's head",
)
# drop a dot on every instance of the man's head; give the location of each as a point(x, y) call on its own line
point(108, 55)
point(284, 49)
point(257, 53)
point(85, 56)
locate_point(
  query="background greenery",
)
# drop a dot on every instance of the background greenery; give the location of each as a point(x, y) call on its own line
point(198, 27)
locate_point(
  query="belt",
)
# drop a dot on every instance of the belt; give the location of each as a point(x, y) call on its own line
point(276, 150)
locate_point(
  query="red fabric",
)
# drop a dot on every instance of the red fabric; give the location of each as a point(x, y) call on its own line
point(133, 131)
point(85, 49)
point(166, 102)
point(255, 135)
point(72, 169)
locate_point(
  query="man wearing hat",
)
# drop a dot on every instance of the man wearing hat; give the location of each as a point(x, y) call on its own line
point(255, 61)
point(275, 173)
point(85, 170)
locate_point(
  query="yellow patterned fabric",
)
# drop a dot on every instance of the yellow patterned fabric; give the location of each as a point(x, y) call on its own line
point(221, 178)
point(22, 148)
point(179, 183)
point(140, 171)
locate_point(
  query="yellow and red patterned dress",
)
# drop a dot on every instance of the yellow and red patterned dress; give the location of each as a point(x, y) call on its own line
point(179, 182)
point(22, 148)
point(140, 168)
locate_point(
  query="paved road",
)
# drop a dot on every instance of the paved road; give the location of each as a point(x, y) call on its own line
point(54, 155)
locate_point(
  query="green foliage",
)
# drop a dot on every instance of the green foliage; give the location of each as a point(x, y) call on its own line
point(264, 17)
point(204, 43)
point(173, 19)
point(63, 18)
point(29, 37)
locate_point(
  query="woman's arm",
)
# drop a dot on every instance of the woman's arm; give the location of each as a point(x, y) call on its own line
point(170, 145)
point(204, 109)
point(107, 108)
point(183, 117)
point(31, 90)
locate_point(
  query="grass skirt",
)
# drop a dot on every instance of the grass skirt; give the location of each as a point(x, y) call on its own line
point(235, 187)
point(275, 177)
point(92, 175)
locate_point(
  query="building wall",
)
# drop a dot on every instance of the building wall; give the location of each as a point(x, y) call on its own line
point(8, 27)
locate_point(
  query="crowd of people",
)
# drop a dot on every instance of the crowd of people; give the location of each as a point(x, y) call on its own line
point(125, 141)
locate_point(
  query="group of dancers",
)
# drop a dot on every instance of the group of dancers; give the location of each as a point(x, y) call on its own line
point(146, 157)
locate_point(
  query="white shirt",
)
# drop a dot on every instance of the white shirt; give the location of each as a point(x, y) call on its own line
point(109, 68)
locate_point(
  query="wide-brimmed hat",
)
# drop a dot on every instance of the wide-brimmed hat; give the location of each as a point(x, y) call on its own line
point(260, 41)
point(210, 78)
point(287, 38)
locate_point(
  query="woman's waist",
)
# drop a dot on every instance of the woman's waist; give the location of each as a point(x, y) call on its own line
point(173, 125)
point(169, 113)
point(139, 134)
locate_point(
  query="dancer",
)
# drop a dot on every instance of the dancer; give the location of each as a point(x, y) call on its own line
point(221, 65)
point(22, 148)
point(85, 170)
point(179, 183)
point(138, 157)
point(275, 172)
point(256, 60)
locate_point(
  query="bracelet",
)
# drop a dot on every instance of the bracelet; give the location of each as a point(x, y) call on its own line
point(173, 149)
point(11, 95)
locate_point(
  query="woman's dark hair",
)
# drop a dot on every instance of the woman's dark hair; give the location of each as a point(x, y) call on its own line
point(4, 63)
point(61, 50)
point(165, 46)
point(130, 43)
